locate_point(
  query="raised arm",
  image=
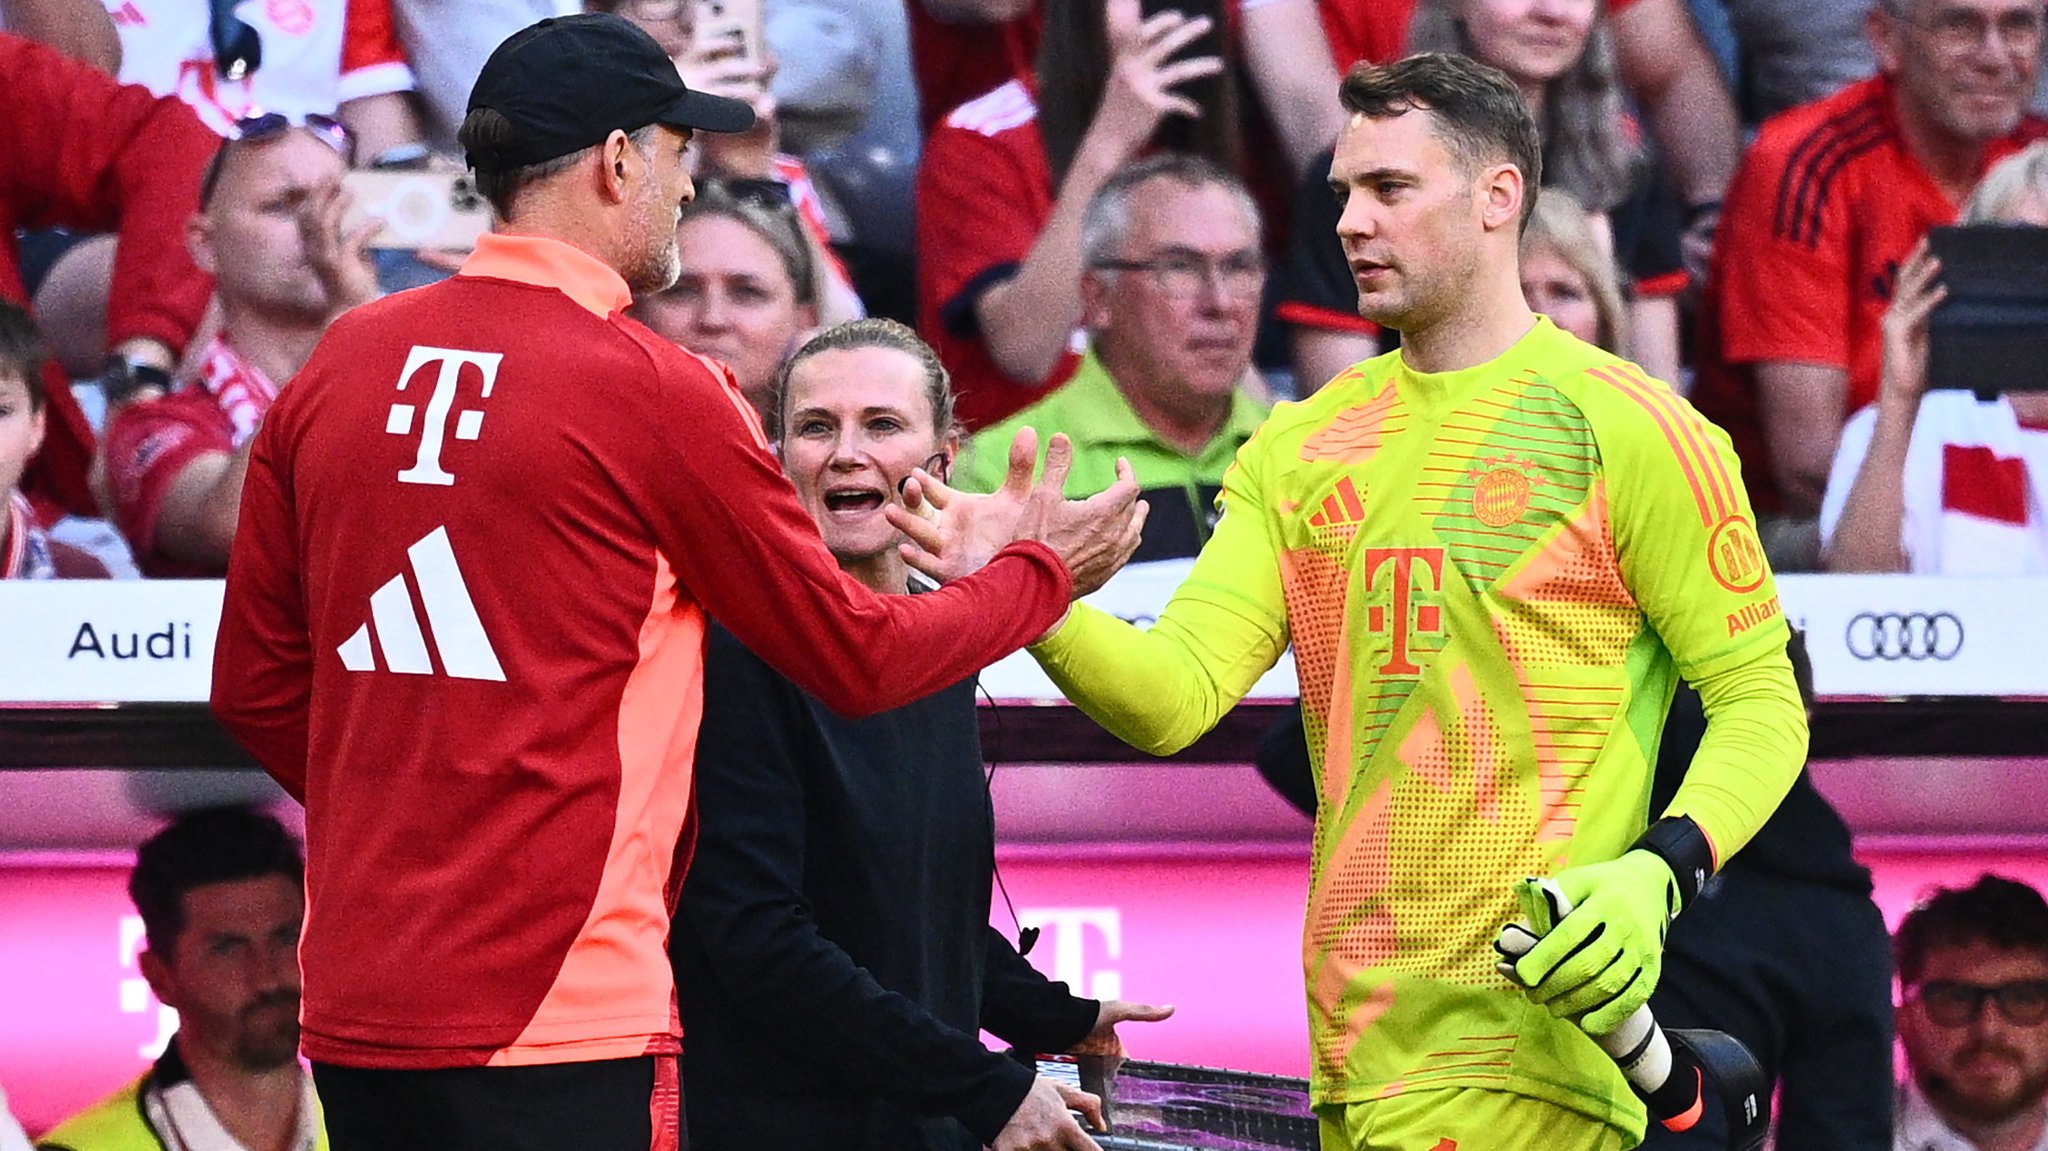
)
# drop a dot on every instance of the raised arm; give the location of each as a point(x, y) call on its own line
point(1288, 56)
point(84, 152)
point(1864, 511)
point(1027, 318)
point(80, 29)
point(1666, 65)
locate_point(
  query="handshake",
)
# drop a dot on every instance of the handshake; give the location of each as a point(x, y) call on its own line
point(951, 534)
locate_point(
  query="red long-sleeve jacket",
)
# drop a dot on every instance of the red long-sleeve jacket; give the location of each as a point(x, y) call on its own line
point(465, 620)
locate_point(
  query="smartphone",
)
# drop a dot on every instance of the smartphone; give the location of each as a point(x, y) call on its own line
point(418, 209)
point(1991, 334)
point(737, 24)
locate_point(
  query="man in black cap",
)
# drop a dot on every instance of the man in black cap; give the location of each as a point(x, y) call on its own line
point(480, 537)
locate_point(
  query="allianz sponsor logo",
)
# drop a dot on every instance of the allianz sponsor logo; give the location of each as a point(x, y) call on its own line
point(173, 642)
point(1893, 636)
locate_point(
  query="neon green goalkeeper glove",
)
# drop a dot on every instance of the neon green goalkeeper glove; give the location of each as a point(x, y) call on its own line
point(1599, 962)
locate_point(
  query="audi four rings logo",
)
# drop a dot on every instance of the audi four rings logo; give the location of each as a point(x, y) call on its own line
point(1905, 635)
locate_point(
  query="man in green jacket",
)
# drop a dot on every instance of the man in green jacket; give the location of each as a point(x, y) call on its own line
point(221, 893)
point(1171, 304)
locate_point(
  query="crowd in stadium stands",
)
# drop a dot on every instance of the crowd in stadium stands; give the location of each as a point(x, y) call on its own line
point(1736, 193)
point(1777, 281)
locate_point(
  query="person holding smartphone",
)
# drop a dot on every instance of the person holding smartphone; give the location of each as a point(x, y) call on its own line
point(1942, 482)
point(270, 232)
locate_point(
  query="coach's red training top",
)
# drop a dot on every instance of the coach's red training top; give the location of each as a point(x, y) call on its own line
point(465, 624)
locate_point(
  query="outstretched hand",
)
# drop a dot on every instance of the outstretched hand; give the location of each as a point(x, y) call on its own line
point(950, 534)
point(1103, 1039)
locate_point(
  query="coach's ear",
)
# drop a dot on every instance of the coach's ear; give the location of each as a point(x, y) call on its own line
point(618, 162)
point(1500, 193)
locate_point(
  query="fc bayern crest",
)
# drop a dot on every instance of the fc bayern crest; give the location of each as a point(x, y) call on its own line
point(1500, 489)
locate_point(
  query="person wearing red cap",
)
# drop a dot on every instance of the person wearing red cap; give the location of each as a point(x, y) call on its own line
point(481, 534)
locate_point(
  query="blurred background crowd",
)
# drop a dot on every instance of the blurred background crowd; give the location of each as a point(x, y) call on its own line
point(1108, 216)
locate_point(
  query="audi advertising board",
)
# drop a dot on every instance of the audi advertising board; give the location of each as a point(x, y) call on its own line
point(1872, 636)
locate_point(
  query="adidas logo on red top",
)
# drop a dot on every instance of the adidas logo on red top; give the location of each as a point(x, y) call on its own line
point(452, 622)
point(1342, 507)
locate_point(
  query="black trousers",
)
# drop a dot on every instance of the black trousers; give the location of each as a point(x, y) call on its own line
point(607, 1105)
point(1802, 974)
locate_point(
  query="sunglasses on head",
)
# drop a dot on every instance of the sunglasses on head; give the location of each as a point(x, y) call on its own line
point(268, 126)
point(770, 195)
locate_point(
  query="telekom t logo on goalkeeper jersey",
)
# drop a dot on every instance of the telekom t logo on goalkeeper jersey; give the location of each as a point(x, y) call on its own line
point(1407, 617)
point(469, 422)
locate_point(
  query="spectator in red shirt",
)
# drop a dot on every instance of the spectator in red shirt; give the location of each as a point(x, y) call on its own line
point(482, 536)
point(269, 230)
point(26, 552)
point(1827, 205)
point(84, 152)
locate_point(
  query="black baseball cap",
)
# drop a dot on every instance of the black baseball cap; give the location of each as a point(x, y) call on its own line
point(566, 82)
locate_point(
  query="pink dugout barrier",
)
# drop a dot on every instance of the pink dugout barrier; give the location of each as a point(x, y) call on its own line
point(1214, 931)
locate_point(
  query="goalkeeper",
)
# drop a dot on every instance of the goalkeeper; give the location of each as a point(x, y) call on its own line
point(1494, 552)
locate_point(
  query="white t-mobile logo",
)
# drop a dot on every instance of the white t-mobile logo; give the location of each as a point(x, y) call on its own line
point(469, 423)
point(1069, 928)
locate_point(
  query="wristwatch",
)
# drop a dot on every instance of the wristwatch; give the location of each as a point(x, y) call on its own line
point(125, 379)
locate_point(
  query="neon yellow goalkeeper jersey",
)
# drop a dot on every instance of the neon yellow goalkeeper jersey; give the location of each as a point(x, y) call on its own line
point(1491, 579)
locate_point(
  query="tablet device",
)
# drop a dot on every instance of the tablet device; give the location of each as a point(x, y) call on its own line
point(1991, 334)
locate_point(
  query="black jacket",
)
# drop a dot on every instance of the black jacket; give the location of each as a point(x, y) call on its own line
point(832, 950)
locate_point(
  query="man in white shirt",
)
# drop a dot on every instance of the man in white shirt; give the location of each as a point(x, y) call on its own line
point(1973, 967)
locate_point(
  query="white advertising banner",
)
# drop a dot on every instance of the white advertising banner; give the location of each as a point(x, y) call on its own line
point(99, 641)
point(1888, 635)
point(1871, 636)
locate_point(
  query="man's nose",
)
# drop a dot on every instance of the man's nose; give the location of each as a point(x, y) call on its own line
point(281, 970)
point(1357, 219)
point(715, 311)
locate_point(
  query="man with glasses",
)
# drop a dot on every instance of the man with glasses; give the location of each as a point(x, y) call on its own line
point(269, 230)
point(1828, 203)
point(1170, 299)
point(1973, 966)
